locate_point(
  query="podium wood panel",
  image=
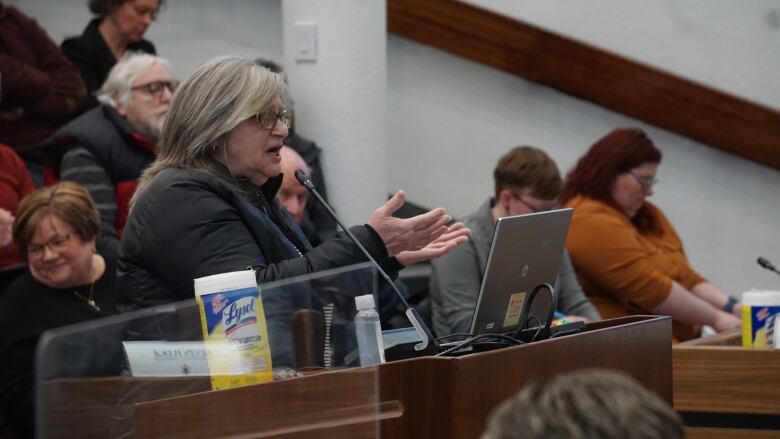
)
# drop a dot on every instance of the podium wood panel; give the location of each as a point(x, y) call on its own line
point(717, 383)
point(429, 397)
point(458, 406)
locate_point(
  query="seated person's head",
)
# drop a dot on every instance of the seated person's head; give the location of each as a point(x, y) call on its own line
point(55, 229)
point(619, 170)
point(131, 18)
point(292, 195)
point(587, 404)
point(140, 88)
point(526, 181)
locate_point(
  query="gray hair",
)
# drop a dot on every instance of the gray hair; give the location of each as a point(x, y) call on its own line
point(215, 98)
point(586, 404)
point(120, 79)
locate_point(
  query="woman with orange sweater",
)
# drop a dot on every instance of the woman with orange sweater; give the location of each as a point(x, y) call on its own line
point(628, 257)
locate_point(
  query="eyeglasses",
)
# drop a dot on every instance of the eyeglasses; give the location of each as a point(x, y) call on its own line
point(56, 244)
point(267, 118)
point(155, 88)
point(646, 182)
point(535, 209)
point(143, 11)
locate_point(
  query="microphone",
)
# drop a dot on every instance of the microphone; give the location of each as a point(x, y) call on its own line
point(764, 262)
point(427, 341)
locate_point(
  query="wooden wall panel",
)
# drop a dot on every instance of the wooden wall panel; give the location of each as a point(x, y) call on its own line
point(646, 93)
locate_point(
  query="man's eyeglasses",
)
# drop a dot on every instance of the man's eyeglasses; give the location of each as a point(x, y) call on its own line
point(535, 209)
point(56, 244)
point(267, 118)
point(155, 88)
point(644, 181)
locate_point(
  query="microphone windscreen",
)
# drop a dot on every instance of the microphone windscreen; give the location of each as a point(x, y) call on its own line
point(304, 179)
point(765, 263)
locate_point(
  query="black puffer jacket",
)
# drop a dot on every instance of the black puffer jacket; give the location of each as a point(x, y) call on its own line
point(190, 224)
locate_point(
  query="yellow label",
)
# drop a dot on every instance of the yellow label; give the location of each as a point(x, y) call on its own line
point(759, 325)
point(514, 309)
point(236, 338)
point(747, 327)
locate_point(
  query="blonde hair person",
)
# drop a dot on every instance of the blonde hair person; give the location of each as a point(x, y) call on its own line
point(216, 97)
point(69, 281)
point(208, 203)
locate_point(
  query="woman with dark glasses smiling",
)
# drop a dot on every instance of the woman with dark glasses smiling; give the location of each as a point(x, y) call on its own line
point(56, 230)
point(628, 257)
point(208, 204)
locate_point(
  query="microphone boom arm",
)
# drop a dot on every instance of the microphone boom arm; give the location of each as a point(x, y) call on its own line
point(422, 329)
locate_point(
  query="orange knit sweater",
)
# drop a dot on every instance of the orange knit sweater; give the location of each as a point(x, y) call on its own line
point(621, 270)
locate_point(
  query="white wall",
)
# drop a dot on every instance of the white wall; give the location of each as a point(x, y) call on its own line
point(341, 97)
point(448, 119)
point(729, 45)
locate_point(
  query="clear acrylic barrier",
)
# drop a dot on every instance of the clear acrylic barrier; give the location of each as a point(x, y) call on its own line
point(91, 376)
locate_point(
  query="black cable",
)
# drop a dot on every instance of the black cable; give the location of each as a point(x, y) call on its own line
point(457, 334)
point(550, 310)
point(514, 337)
point(538, 328)
point(471, 341)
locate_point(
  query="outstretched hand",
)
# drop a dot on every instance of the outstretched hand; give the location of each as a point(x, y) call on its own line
point(425, 235)
point(455, 235)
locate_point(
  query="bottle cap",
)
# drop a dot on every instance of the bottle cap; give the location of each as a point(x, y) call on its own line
point(364, 302)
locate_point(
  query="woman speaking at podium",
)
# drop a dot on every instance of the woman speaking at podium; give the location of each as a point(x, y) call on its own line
point(628, 257)
point(208, 203)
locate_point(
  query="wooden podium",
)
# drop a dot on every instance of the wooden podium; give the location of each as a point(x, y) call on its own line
point(725, 391)
point(428, 397)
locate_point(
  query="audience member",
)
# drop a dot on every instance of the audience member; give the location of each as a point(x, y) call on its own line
point(41, 89)
point(118, 28)
point(207, 204)
point(526, 180)
point(56, 229)
point(587, 404)
point(107, 148)
point(628, 256)
point(292, 195)
point(315, 216)
point(15, 183)
point(294, 198)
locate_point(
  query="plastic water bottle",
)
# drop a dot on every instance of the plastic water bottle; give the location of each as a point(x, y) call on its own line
point(369, 332)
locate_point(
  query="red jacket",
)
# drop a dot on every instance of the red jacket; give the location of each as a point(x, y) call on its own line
point(41, 88)
point(15, 183)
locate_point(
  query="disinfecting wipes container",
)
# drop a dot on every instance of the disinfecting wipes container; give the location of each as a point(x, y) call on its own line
point(233, 320)
point(760, 312)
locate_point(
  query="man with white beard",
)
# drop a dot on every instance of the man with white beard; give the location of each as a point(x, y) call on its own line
point(107, 148)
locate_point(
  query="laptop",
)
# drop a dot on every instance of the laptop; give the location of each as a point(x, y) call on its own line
point(526, 251)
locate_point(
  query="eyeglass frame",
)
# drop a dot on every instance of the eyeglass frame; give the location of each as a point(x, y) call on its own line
point(531, 207)
point(36, 250)
point(171, 85)
point(279, 116)
point(644, 181)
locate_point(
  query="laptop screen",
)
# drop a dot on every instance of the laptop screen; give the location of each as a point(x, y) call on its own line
point(526, 251)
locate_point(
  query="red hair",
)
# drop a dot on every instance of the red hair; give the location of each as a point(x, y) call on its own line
point(594, 175)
